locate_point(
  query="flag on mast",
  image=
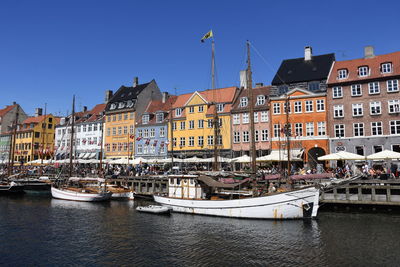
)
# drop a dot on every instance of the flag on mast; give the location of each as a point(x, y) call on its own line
point(208, 35)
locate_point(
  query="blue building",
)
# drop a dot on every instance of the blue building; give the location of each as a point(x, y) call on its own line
point(151, 131)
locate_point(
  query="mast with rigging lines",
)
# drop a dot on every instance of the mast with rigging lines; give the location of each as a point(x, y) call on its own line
point(72, 137)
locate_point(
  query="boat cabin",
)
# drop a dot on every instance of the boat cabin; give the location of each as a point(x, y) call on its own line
point(185, 186)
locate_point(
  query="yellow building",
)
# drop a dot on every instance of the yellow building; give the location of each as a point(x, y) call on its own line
point(35, 138)
point(122, 111)
point(192, 123)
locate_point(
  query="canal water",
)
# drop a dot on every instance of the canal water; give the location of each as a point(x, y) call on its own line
point(40, 231)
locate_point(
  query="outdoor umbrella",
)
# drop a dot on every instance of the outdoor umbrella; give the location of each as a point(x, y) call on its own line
point(384, 155)
point(342, 155)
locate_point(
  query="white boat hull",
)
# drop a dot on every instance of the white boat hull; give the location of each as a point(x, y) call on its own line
point(297, 204)
point(79, 196)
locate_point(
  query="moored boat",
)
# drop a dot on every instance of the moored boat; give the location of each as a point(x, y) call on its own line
point(155, 209)
point(11, 188)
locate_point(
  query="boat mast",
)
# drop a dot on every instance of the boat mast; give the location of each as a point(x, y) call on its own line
point(101, 144)
point(288, 132)
point(12, 144)
point(216, 119)
point(72, 136)
point(172, 138)
point(44, 125)
point(251, 112)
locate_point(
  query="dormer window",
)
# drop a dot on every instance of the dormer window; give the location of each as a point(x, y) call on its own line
point(363, 71)
point(260, 100)
point(113, 106)
point(159, 117)
point(121, 104)
point(244, 101)
point(342, 74)
point(220, 107)
point(178, 112)
point(145, 118)
point(386, 67)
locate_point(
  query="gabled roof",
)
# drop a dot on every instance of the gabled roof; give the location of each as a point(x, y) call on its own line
point(125, 94)
point(157, 105)
point(264, 90)
point(96, 113)
point(300, 70)
point(221, 95)
point(37, 119)
point(303, 94)
point(373, 63)
point(7, 109)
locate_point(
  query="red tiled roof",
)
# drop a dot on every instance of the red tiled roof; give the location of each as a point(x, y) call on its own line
point(373, 63)
point(264, 90)
point(181, 100)
point(221, 95)
point(7, 109)
point(158, 105)
point(38, 119)
point(96, 112)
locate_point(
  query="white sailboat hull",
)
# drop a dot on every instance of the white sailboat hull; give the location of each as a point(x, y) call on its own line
point(79, 196)
point(297, 204)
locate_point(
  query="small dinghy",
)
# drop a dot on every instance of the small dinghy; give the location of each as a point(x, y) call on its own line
point(154, 209)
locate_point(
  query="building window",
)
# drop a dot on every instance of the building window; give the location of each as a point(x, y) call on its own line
point(219, 122)
point(264, 135)
point(145, 119)
point(394, 106)
point(244, 101)
point(377, 149)
point(392, 86)
point(374, 88)
point(178, 112)
point(320, 105)
point(277, 108)
point(321, 128)
point(191, 109)
point(236, 137)
point(174, 141)
point(119, 130)
point(309, 106)
point(298, 129)
point(159, 117)
point(246, 137)
point(396, 148)
point(201, 108)
point(191, 125)
point(342, 74)
point(376, 128)
point(108, 132)
point(297, 107)
point(260, 100)
point(256, 136)
point(264, 116)
point(337, 92)
point(386, 67)
point(357, 110)
point(183, 125)
point(245, 118)
point(277, 130)
point(114, 147)
point(95, 127)
point(310, 129)
point(286, 108)
point(236, 118)
point(338, 111)
point(152, 133)
point(394, 127)
point(200, 141)
point(200, 124)
point(182, 141)
point(108, 118)
point(114, 131)
point(131, 129)
point(140, 133)
point(255, 114)
point(363, 71)
point(131, 115)
point(359, 150)
point(339, 130)
point(146, 133)
point(358, 129)
point(174, 126)
point(162, 132)
point(125, 129)
point(220, 107)
point(313, 86)
point(219, 140)
point(375, 108)
point(145, 149)
point(210, 140)
point(191, 140)
point(356, 90)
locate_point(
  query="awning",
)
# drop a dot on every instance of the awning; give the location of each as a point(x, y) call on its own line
point(81, 155)
point(281, 155)
point(86, 156)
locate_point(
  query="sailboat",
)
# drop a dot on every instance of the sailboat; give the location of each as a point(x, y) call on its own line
point(76, 188)
point(196, 194)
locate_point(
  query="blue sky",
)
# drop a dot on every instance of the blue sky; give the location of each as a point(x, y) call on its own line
point(50, 50)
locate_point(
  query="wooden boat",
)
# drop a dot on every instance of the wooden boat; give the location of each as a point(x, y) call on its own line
point(154, 209)
point(81, 189)
point(120, 192)
point(35, 186)
point(11, 188)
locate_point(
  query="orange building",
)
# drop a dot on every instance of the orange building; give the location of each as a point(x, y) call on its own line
point(308, 124)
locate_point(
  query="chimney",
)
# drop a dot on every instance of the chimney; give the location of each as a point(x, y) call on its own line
point(108, 96)
point(135, 81)
point(369, 51)
point(259, 84)
point(307, 53)
point(243, 79)
point(38, 112)
point(84, 108)
point(164, 97)
point(14, 103)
